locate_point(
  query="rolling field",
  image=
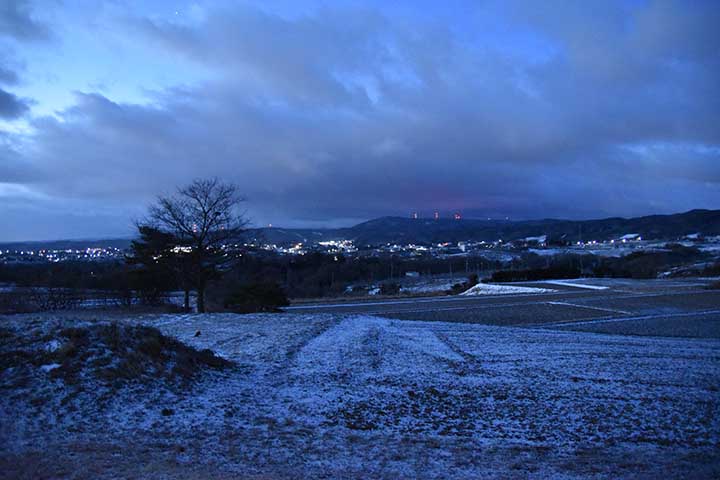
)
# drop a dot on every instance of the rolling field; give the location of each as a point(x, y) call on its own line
point(338, 394)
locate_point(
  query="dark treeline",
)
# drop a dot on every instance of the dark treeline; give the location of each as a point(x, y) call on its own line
point(325, 275)
point(303, 276)
point(319, 275)
point(77, 275)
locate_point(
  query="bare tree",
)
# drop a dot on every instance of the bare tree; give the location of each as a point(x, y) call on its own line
point(204, 218)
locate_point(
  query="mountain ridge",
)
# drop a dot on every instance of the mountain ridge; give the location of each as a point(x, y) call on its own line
point(400, 229)
point(393, 229)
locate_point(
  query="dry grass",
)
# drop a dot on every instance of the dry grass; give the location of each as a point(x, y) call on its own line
point(113, 353)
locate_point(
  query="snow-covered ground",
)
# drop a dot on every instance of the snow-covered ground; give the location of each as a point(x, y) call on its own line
point(326, 396)
point(492, 289)
point(581, 283)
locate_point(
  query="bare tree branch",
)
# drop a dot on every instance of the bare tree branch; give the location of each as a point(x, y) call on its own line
point(203, 216)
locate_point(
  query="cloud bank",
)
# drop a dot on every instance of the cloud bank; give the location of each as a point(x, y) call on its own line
point(341, 114)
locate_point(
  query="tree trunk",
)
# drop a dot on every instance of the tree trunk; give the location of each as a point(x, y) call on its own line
point(201, 299)
point(186, 302)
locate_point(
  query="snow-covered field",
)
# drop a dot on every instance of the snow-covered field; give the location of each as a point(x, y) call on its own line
point(493, 289)
point(327, 396)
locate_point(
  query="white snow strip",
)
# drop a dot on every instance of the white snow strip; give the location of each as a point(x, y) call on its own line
point(623, 312)
point(627, 319)
point(49, 367)
point(363, 304)
point(491, 289)
point(428, 288)
point(578, 285)
point(384, 302)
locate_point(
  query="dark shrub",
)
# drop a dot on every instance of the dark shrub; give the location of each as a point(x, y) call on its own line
point(255, 297)
point(389, 288)
point(458, 288)
point(648, 264)
point(359, 290)
point(40, 299)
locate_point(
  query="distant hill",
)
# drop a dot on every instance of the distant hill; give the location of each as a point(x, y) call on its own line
point(407, 230)
point(422, 231)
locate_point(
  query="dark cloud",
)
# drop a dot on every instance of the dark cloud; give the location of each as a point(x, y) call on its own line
point(349, 114)
point(17, 21)
point(11, 106)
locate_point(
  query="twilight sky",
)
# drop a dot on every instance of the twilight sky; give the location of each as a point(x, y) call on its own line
point(332, 112)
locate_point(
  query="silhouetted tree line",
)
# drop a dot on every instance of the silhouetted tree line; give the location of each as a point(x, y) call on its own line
point(153, 270)
point(641, 264)
point(649, 264)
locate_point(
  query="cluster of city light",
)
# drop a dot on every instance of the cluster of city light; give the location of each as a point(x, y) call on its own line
point(632, 237)
point(296, 249)
point(338, 246)
point(68, 254)
point(332, 247)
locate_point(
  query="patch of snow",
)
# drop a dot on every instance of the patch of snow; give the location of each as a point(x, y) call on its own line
point(429, 287)
point(566, 283)
point(492, 289)
point(547, 252)
point(49, 367)
point(52, 345)
point(540, 239)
